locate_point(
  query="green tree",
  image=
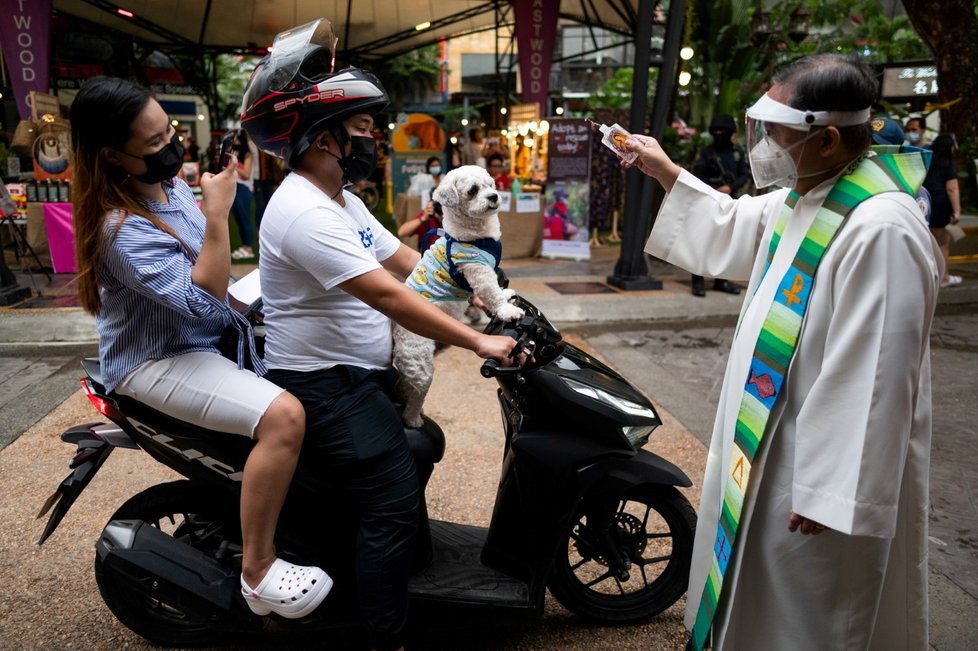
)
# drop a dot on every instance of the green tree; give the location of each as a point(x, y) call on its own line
point(950, 29)
point(738, 43)
point(616, 92)
point(727, 66)
point(232, 73)
point(410, 77)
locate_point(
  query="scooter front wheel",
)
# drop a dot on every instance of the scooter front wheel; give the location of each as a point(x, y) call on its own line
point(185, 512)
point(627, 566)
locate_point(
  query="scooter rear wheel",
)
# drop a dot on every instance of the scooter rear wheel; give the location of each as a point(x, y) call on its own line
point(635, 569)
point(182, 510)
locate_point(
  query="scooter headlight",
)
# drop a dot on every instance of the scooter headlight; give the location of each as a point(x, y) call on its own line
point(619, 403)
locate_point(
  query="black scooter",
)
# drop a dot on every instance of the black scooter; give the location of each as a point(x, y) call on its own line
point(580, 509)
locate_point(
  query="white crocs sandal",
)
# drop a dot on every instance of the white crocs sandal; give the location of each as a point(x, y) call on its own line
point(292, 591)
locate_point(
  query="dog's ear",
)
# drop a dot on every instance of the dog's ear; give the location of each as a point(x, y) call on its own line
point(446, 194)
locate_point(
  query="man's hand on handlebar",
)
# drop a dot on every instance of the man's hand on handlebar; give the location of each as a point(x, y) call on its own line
point(498, 347)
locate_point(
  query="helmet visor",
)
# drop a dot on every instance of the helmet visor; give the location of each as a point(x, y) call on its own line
point(290, 47)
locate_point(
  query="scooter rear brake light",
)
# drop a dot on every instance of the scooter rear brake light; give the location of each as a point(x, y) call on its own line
point(102, 404)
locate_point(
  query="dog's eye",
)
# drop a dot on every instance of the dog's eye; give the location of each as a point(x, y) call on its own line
point(474, 190)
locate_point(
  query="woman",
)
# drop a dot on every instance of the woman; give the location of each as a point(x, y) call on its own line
point(474, 151)
point(494, 164)
point(424, 183)
point(243, 196)
point(144, 248)
point(423, 223)
point(945, 200)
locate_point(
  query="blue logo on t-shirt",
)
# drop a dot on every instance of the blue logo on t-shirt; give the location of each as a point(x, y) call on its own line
point(367, 238)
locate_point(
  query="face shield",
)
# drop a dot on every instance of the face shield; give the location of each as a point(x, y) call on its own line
point(769, 121)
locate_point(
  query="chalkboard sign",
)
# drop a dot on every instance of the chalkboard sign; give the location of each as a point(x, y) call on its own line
point(569, 149)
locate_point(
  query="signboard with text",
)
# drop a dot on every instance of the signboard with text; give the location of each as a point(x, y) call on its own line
point(536, 28)
point(566, 212)
point(25, 37)
point(910, 80)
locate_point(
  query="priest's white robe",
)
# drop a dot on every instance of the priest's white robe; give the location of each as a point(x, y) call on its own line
point(848, 442)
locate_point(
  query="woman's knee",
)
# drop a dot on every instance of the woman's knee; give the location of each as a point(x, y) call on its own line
point(285, 420)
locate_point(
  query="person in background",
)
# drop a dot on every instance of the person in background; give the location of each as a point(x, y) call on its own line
point(423, 223)
point(945, 199)
point(812, 530)
point(723, 165)
point(888, 136)
point(474, 151)
point(424, 183)
point(243, 197)
point(154, 271)
point(268, 174)
point(495, 166)
point(916, 132)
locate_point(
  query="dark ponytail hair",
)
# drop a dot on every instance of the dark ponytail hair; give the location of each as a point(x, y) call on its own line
point(101, 118)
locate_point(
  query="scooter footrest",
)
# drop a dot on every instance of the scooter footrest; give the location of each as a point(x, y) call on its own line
point(456, 575)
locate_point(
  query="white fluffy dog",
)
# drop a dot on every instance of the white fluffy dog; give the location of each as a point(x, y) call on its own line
point(467, 253)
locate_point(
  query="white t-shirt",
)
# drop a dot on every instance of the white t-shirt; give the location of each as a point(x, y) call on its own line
point(309, 245)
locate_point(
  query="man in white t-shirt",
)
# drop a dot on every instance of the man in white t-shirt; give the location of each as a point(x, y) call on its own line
point(329, 297)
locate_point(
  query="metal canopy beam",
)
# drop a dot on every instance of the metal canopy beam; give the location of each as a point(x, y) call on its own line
point(113, 9)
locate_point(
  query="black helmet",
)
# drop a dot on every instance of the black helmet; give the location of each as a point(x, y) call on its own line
point(294, 95)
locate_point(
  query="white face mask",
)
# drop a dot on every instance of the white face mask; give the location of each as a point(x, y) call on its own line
point(772, 164)
point(434, 171)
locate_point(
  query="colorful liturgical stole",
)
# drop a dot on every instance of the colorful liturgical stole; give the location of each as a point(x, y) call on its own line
point(778, 340)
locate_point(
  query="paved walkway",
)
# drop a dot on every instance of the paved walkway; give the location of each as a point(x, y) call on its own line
point(670, 344)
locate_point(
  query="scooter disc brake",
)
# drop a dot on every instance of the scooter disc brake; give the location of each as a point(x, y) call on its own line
point(628, 530)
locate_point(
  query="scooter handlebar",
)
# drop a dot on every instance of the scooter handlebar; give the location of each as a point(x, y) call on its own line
point(489, 368)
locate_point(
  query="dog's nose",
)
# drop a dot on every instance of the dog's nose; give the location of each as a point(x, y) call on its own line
point(493, 198)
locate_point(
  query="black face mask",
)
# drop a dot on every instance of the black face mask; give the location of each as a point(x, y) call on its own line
point(161, 165)
point(721, 139)
point(361, 160)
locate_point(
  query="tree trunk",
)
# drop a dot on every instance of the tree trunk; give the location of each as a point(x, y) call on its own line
point(950, 30)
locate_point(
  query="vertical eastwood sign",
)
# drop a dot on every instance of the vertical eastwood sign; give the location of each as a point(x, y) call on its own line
point(25, 36)
point(536, 27)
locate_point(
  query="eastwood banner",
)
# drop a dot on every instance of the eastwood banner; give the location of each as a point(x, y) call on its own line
point(25, 36)
point(536, 28)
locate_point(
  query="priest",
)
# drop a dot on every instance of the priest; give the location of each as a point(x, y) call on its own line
point(812, 529)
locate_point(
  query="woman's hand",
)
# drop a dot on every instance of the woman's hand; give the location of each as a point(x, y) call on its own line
point(652, 160)
point(218, 191)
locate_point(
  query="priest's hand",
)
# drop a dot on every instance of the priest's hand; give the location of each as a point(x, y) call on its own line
point(652, 160)
point(797, 522)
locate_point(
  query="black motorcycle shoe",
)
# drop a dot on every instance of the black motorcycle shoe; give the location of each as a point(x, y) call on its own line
point(698, 289)
point(725, 286)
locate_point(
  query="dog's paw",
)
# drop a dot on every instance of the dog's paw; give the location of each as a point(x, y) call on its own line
point(413, 423)
point(507, 293)
point(508, 312)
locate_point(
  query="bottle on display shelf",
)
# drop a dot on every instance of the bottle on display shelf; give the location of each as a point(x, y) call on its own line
point(64, 191)
point(42, 191)
point(32, 191)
